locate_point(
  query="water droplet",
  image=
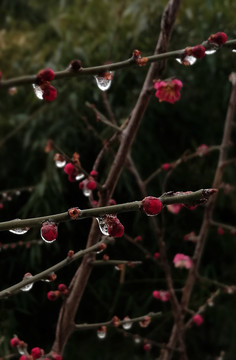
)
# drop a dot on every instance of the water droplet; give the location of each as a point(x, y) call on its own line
point(234, 50)
point(137, 339)
point(21, 349)
point(102, 225)
point(19, 231)
point(101, 333)
point(38, 91)
point(17, 192)
point(187, 60)
point(128, 324)
point(80, 176)
point(104, 83)
point(210, 52)
point(27, 287)
point(60, 164)
point(86, 191)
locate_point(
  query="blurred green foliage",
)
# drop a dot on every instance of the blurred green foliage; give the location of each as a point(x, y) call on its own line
point(34, 36)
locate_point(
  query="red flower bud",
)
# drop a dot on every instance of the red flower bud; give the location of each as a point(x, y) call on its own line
point(91, 185)
point(45, 75)
point(49, 92)
point(53, 295)
point(166, 166)
point(93, 173)
point(49, 231)
point(75, 65)
point(198, 51)
point(62, 288)
point(74, 213)
point(14, 341)
point(70, 169)
point(114, 226)
point(151, 205)
point(219, 38)
point(70, 253)
point(37, 352)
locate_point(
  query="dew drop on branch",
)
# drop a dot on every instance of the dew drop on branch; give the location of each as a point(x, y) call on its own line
point(234, 50)
point(102, 332)
point(60, 164)
point(210, 52)
point(79, 177)
point(38, 91)
point(128, 324)
point(102, 225)
point(103, 83)
point(27, 287)
point(188, 60)
point(20, 231)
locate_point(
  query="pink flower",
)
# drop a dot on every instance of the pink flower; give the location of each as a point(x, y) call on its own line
point(161, 295)
point(182, 261)
point(198, 319)
point(168, 91)
point(174, 208)
point(202, 149)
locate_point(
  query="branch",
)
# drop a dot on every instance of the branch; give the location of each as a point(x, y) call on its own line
point(111, 323)
point(100, 69)
point(42, 275)
point(199, 196)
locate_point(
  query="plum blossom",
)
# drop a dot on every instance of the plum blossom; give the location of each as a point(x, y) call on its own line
point(169, 90)
point(182, 261)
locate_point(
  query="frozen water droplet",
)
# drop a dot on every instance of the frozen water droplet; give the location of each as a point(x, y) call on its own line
point(234, 50)
point(80, 176)
point(102, 225)
point(38, 91)
point(210, 52)
point(60, 164)
point(19, 231)
point(137, 339)
point(21, 349)
point(101, 334)
point(86, 191)
point(187, 60)
point(27, 287)
point(128, 324)
point(103, 83)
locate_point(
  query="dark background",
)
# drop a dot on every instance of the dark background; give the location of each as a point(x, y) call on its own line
point(35, 36)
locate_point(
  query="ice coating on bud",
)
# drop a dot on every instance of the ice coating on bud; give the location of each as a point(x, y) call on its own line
point(38, 91)
point(104, 81)
point(102, 225)
point(60, 160)
point(49, 231)
point(102, 332)
point(19, 231)
point(187, 60)
point(128, 324)
point(27, 287)
point(151, 205)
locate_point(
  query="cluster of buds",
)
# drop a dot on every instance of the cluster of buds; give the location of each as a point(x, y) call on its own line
point(62, 290)
point(110, 225)
point(161, 295)
point(35, 353)
point(49, 93)
point(191, 54)
point(140, 61)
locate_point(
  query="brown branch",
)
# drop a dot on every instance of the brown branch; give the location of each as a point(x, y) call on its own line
point(110, 322)
point(15, 288)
